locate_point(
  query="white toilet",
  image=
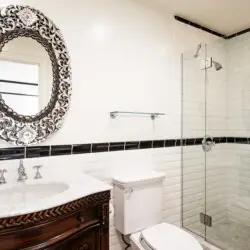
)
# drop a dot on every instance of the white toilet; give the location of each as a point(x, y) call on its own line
point(138, 211)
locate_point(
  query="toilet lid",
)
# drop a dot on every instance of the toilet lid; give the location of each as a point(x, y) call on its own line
point(168, 237)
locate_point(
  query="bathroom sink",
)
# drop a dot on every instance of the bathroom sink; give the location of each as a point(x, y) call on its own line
point(30, 192)
point(37, 195)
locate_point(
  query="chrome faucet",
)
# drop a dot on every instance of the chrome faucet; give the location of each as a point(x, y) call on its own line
point(2, 179)
point(22, 176)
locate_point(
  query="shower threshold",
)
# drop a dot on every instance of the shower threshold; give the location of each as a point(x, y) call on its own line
point(229, 235)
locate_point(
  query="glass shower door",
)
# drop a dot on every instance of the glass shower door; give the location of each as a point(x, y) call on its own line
point(227, 164)
point(193, 131)
point(215, 161)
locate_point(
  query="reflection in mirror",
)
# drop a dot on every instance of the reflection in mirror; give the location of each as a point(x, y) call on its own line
point(25, 76)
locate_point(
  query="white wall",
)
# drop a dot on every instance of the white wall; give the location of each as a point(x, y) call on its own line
point(239, 184)
point(238, 124)
point(124, 56)
point(238, 86)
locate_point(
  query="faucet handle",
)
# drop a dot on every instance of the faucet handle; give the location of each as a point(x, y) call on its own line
point(38, 166)
point(38, 174)
point(2, 179)
point(2, 171)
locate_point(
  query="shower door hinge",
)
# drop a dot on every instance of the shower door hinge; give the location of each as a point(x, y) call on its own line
point(206, 219)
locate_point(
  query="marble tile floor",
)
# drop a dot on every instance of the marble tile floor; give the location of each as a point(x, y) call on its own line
point(229, 236)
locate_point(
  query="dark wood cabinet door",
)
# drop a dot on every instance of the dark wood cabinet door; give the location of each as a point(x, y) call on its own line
point(88, 239)
point(81, 224)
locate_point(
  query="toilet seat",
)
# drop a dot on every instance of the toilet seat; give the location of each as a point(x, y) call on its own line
point(165, 236)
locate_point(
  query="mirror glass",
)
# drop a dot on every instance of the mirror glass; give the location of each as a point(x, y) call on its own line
point(25, 76)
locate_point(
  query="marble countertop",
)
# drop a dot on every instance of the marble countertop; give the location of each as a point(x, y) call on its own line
point(73, 188)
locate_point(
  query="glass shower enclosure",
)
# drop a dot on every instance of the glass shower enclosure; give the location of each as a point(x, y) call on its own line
point(215, 144)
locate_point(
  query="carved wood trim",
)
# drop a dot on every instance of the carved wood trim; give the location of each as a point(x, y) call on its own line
point(53, 213)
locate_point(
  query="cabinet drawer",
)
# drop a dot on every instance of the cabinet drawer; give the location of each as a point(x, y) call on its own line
point(43, 235)
point(86, 239)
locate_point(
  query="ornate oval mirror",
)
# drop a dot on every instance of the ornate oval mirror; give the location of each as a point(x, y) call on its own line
point(35, 76)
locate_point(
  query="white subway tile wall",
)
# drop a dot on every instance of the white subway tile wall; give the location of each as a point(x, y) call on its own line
point(239, 184)
point(238, 124)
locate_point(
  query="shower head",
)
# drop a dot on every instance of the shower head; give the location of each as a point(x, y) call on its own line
point(217, 65)
point(208, 62)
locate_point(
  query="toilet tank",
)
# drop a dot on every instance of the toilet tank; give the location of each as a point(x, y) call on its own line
point(138, 199)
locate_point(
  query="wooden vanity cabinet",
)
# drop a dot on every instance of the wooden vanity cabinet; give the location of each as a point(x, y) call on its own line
point(79, 225)
point(88, 239)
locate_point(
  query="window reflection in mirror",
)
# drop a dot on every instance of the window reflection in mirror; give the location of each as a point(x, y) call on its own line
point(25, 76)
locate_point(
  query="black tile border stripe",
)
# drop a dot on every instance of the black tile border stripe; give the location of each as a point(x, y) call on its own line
point(100, 147)
point(12, 153)
point(56, 150)
point(73, 149)
point(198, 26)
point(81, 149)
point(131, 145)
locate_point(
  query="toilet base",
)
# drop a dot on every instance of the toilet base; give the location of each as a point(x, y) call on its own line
point(135, 242)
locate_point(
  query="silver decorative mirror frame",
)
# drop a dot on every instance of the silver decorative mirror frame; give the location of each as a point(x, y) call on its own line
point(19, 20)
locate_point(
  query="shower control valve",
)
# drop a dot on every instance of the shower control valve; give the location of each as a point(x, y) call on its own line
point(207, 143)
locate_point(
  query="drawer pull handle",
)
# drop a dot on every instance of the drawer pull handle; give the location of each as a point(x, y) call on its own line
point(81, 219)
point(84, 247)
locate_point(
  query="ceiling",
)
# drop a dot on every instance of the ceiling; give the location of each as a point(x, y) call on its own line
point(224, 16)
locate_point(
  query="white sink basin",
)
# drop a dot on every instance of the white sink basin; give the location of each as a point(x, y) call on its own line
point(31, 192)
point(37, 195)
